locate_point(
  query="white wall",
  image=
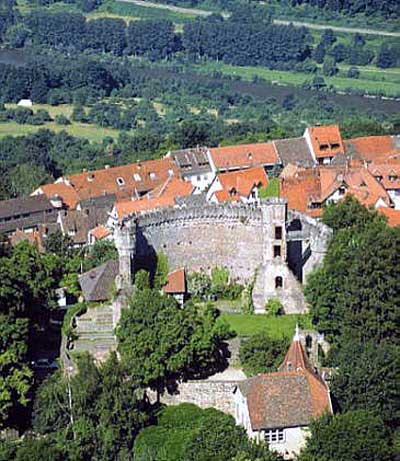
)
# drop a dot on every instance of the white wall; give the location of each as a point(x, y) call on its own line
point(395, 196)
point(201, 181)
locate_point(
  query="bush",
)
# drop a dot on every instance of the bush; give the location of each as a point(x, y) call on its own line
point(262, 354)
point(199, 284)
point(274, 307)
point(353, 72)
point(62, 120)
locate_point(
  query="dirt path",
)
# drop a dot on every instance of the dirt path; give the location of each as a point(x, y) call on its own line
point(204, 13)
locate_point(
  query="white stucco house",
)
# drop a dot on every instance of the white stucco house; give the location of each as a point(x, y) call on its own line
point(278, 407)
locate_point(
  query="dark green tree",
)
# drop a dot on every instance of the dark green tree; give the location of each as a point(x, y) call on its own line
point(262, 354)
point(356, 435)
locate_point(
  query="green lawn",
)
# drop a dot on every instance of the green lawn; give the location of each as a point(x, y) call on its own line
point(284, 325)
point(389, 82)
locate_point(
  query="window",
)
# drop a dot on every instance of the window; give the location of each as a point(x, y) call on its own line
point(342, 190)
point(278, 232)
point(274, 435)
point(335, 146)
point(278, 282)
point(153, 176)
point(170, 172)
point(324, 147)
point(120, 181)
point(277, 251)
point(392, 178)
point(137, 177)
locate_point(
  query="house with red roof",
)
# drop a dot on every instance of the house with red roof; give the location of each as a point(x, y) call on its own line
point(238, 186)
point(388, 175)
point(176, 285)
point(325, 143)
point(231, 158)
point(277, 408)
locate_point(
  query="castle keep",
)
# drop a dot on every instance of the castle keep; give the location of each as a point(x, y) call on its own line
point(265, 243)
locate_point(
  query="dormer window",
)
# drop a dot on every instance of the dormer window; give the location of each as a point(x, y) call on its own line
point(379, 178)
point(137, 177)
point(120, 181)
point(153, 176)
point(232, 192)
point(392, 178)
point(250, 156)
point(342, 190)
point(335, 145)
point(90, 177)
point(324, 147)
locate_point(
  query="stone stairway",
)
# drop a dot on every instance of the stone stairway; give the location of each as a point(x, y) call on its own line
point(94, 332)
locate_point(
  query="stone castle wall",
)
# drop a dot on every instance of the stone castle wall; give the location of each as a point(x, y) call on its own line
point(201, 238)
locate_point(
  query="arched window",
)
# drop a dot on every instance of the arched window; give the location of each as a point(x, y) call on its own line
point(308, 342)
point(278, 282)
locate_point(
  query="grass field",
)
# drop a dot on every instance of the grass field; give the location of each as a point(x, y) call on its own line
point(81, 130)
point(389, 83)
point(277, 327)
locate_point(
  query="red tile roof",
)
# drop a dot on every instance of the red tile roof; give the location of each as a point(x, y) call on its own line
point(244, 156)
point(224, 196)
point(161, 197)
point(100, 232)
point(393, 216)
point(123, 181)
point(296, 358)
point(244, 181)
point(307, 190)
point(373, 148)
point(176, 282)
point(285, 399)
point(387, 174)
point(326, 141)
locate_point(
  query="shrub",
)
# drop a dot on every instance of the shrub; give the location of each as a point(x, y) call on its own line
point(62, 120)
point(274, 307)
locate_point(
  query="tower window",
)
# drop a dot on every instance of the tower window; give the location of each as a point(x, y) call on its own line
point(278, 232)
point(278, 282)
point(277, 251)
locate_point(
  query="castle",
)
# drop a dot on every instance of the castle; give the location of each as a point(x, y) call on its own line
point(265, 244)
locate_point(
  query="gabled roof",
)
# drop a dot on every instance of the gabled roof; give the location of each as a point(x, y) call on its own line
point(294, 151)
point(373, 148)
point(326, 141)
point(176, 282)
point(244, 156)
point(100, 232)
point(161, 197)
point(122, 181)
point(388, 173)
point(192, 161)
point(285, 399)
point(296, 358)
point(393, 216)
point(97, 284)
point(243, 182)
point(19, 206)
point(78, 223)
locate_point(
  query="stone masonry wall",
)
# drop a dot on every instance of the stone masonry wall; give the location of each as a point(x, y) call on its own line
point(201, 238)
point(205, 394)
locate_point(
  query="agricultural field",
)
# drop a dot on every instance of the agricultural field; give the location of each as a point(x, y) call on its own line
point(371, 80)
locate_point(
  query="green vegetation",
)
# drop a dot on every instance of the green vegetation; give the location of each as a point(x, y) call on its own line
point(271, 190)
point(275, 327)
point(371, 81)
point(262, 354)
point(187, 433)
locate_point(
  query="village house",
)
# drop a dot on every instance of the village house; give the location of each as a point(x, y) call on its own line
point(176, 285)
point(388, 175)
point(325, 143)
point(28, 214)
point(244, 156)
point(194, 166)
point(242, 185)
point(278, 407)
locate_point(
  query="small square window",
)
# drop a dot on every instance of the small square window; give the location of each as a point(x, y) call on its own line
point(277, 251)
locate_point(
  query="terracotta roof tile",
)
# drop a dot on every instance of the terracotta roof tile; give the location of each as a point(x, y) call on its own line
point(387, 174)
point(244, 156)
point(224, 196)
point(326, 141)
point(373, 148)
point(285, 399)
point(176, 282)
point(393, 216)
point(242, 182)
point(100, 232)
point(123, 181)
